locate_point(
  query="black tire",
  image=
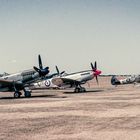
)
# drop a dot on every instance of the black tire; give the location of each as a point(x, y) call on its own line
point(77, 90)
point(83, 89)
point(27, 94)
point(17, 94)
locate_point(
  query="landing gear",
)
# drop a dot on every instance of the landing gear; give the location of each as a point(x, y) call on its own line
point(79, 89)
point(17, 94)
point(83, 89)
point(27, 93)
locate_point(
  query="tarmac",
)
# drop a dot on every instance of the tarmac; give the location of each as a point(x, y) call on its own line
point(104, 112)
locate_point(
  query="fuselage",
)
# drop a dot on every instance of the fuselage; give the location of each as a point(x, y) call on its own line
point(82, 76)
point(73, 79)
point(131, 79)
point(44, 84)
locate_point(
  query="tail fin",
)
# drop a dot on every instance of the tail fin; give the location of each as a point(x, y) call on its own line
point(115, 81)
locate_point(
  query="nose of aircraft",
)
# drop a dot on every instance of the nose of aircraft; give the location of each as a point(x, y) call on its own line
point(97, 72)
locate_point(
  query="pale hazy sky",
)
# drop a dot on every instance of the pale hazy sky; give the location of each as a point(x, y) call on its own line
point(70, 34)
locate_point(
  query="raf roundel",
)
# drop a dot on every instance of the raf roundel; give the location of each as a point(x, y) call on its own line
point(47, 83)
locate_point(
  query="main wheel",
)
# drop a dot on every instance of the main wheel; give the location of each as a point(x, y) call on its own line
point(82, 89)
point(27, 94)
point(17, 94)
point(77, 90)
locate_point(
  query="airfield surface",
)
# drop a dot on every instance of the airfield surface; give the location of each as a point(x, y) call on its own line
point(103, 113)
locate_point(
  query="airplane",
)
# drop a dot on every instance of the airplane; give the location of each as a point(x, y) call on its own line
point(77, 79)
point(21, 80)
point(129, 80)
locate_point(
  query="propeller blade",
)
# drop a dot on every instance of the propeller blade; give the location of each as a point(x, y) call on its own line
point(97, 80)
point(95, 65)
point(37, 69)
point(62, 72)
point(92, 66)
point(40, 62)
point(57, 70)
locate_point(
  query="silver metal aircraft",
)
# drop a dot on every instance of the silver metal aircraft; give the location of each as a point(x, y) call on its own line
point(77, 79)
point(129, 80)
point(20, 81)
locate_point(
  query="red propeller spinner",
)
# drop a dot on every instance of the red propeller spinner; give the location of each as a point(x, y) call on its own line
point(96, 72)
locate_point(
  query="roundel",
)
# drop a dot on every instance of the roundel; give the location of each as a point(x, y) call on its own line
point(47, 83)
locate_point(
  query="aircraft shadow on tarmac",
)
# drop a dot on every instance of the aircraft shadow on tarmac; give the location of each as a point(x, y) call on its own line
point(91, 91)
point(35, 96)
point(52, 96)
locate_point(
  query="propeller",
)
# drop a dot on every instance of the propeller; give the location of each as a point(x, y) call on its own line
point(58, 72)
point(96, 72)
point(42, 71)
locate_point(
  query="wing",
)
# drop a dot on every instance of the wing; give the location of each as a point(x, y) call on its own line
point(6, 82)
point(9, 83)
point(61, 81)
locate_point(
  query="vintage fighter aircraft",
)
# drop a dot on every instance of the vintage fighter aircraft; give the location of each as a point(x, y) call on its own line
point(76, 79)
point(129, 80)
point(19, 81)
